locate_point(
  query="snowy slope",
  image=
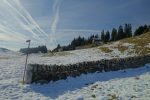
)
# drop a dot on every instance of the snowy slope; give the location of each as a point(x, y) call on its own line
point(129, 86)
point(120, 89)
point(107, 51)
point(70, 57)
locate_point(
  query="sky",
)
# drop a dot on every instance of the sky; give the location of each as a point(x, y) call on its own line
point(49, 22)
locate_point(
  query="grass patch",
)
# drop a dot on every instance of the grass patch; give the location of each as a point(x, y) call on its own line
point(140, 50)
point(133, 96)
point(140, 43)
point(122, 48)
point(93, 96)
point(141, 40)
point(113, 97)
point(105, 49)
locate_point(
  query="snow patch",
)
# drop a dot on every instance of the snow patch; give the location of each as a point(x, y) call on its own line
point(148, 45)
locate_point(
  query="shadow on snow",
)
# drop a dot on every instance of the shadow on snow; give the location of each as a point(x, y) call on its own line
point(55, 89)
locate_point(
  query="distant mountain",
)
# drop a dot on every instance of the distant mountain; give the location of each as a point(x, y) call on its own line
point(4, 50)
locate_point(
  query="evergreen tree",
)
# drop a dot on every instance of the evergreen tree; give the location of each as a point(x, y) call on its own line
point(120, 33)
point(96, 36)
point(73, 43)
point(139, 31)
point(107, 36)
point(127, 31)
point(103, 36)
point(78, 42)
point(58, 46)
point(146, 29)
point(114, 34)
point(82, 41)
point(90, 39)
point(42, 49)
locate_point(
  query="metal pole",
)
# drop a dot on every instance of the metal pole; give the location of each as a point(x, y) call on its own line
point(26, 61)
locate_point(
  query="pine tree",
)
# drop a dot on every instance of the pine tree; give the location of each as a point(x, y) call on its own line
point(82, 41)
point(103, 36)
point(90, 39)
point(107, 36)
point(96, 36)
point(114, 35)
point(130, 30)
point(127, 30)
point(58, 46)
point(120, 33)
point(139, 31)
point(146, 28)
point(78, 41)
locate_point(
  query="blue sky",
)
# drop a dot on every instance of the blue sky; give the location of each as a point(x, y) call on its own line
point(58, 21)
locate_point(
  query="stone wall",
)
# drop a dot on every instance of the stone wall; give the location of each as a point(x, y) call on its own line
point(37, 73)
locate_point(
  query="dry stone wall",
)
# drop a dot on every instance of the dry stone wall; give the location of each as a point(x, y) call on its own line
point(37, 73)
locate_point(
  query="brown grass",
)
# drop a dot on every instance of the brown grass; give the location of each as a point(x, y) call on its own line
point(113, 97)
point(105, 49)
point(140, 43)
point(122, 48)
point(141, 40)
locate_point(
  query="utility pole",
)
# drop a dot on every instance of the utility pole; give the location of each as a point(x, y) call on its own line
point(28, 41)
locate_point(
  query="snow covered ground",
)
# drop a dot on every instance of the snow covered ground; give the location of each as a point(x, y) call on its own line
point(132, 84)
point(71, 57)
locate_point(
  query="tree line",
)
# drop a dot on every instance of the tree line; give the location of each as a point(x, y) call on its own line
point(42, 49)
point(106, 36)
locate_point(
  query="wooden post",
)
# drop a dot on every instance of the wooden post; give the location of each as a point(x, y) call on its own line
point(26, 61)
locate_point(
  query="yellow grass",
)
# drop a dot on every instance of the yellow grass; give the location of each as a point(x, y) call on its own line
point(105, 49)
point(121, 48)
point(140, 43)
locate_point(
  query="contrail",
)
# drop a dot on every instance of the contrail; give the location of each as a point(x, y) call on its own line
point(22, 16)
point(30, 18)
point(26, 17)
point(24, 20)
point(6, 35)
point(16, 35)
point(9, 31)
point(55, 19)
point(20, 21)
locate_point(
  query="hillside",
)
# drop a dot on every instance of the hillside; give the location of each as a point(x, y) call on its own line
point(139, 45)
